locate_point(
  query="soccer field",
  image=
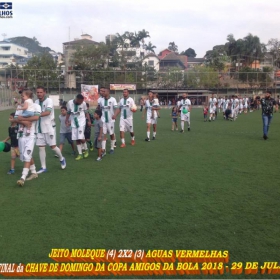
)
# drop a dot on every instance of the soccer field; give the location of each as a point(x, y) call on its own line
point(213, 188)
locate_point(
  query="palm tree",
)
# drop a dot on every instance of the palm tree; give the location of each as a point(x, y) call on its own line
point(173, 47)
point(142, 35)
point(150, 47)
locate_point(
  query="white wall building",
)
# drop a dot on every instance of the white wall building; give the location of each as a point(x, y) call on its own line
point(10, 53)
point(151, 60)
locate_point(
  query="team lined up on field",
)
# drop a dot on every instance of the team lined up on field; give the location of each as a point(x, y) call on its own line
point(36, 122)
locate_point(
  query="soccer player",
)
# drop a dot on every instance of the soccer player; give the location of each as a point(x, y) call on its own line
point(149, 110)
point(78, 115)
point(246, 103)
point(108, 105)
point(219, 103)
point(46, 130)
point(212, 107)
point(225, 106)
point(26, 142)
point(126, 119)
point(185, 107)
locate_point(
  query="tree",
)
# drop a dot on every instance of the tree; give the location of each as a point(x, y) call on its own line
point(36, 41)
point(189, 52)
point(89, 58)
point(246, 50)
point(142, 35)
point(202, 77)
point(173, 47)
point(274, 49)
point(150, 47)
point(255, 77)
point(41, 70)
point(217, 57)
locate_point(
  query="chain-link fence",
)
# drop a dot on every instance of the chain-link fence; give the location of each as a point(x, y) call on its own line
point(170, 84)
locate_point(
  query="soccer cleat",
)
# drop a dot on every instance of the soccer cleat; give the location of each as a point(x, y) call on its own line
point(154, 138)
point(103, 154)
point(189, 129)
point(56, 156)
point(73, 153)
point(11, 171)
point(99, 159)
point(132, 142)
point(63, 163)
point(147, 139)
point(111, 152)
point(85, 153)
point(122, 145)
point(20, 182)
point(79, 157)
point(32, 176)
point(42, 170)
point(265, 137)
point(91, 147)
point(182, 131)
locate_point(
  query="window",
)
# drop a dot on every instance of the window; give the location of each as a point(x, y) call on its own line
point(6, 48)
point(151, 63)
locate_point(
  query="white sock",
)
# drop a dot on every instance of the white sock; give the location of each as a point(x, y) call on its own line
point(154, 134)
point(182, 125)
point(148, 134)
point(103, 144)
point(33, 168)
point(84, 146)
point(42, 155)
point(58, 153)
point(112, 144)
point(24, 173)
point(123, 141)
point(79, 148)
point(132, 137)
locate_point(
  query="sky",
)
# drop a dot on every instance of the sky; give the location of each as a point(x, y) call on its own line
point(198, 24)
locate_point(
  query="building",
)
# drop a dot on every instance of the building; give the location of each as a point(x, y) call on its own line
point(164, 53)
point(151, 61)
point(193, 61)
point(110, 38)
point(11, 53)
point(173, 60)
point(69, 48)
point(131, 56)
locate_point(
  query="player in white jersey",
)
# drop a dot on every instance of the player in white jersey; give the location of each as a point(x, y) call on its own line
point(150, 110)
point(225, 105)
point(77, 116)
point(240, 105)
point(26, 142)
point(126, 119)
point(108, 105)
point(246, 101)
point(101, 93)
point(219, 103)
point(185, 107)
point(236, 107)
point(212, 107)
point(46, 129)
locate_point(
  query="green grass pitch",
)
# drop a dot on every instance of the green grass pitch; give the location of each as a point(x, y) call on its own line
point(213, 188)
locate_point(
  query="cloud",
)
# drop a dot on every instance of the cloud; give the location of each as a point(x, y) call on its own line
point(199, 24)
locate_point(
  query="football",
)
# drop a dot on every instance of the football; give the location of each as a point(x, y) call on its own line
point(133, 108)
